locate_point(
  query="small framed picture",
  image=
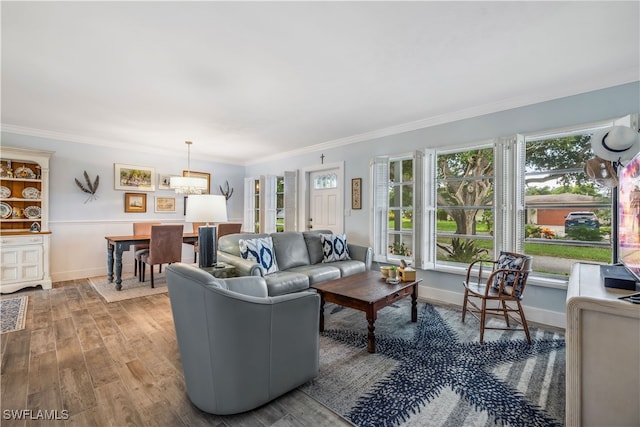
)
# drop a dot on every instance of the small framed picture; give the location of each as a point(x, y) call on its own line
point(129, 177)
point(135, 202)
point(204, 175)
point(356, 193)
point(165, 204)
point(164, 181)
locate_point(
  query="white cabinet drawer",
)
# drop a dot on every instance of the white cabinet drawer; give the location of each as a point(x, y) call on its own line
point(21, 240)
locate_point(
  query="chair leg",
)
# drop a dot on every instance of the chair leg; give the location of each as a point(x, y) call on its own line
point(505, 312)
point(160, 268)
point(151, 269)
point(464, 304)
point(483, 318)
point(135, 267)
point(143, 268)
point(524, 322)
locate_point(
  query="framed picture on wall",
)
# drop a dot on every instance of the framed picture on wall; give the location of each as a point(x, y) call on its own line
point(164, 181)
point(356, 193)
point(135, 202)
point(165, 204)
point(204, 175)
point(130, 177)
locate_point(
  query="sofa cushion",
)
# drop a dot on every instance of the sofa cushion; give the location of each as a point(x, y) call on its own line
point(290, 249)
point(259, 250)
point(349, 267)
point(334, 247)
point(314, 246)
point(318, 273)
point(286, 282)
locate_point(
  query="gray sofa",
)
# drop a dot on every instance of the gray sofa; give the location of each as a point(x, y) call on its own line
point(240, 348)
point(299, 256)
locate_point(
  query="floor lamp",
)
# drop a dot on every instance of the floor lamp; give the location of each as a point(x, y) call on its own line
point(207, 208)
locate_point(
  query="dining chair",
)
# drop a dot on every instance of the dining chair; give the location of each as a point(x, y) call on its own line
point(497, 293)
point(165, 247)
point(140, 228)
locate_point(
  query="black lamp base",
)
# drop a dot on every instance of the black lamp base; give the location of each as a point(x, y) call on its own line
point(207, 246)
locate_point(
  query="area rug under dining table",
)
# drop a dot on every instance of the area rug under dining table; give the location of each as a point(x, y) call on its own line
point(435, 372)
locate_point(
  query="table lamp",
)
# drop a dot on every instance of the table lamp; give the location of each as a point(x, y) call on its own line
point(206, 208)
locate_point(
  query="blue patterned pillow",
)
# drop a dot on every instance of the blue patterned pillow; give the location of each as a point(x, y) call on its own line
point(507, 261)
point(334, 247)
point(259, 250)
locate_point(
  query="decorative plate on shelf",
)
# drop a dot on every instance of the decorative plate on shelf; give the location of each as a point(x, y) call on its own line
point(31, 193)
point(5, 192)
point(32, 212)
point(24, 172)
point(5, 210)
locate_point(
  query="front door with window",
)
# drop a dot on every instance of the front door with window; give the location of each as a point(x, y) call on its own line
point(325, 201)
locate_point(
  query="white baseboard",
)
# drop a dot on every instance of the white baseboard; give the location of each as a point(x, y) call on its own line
point(533, 314)
point(89, 272)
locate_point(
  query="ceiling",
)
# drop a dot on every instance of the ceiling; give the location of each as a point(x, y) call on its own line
point(261, 80)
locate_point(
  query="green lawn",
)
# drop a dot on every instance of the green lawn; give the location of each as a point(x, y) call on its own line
point(568, 251)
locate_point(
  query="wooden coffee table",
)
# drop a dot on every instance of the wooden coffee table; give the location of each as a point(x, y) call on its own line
point(367, 292)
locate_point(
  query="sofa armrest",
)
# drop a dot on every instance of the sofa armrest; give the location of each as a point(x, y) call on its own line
point(361, 253)
point(247, 285)
point(294, 319)
point(243, 267)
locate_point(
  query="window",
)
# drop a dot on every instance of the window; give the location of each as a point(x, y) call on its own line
point(270, 203)
point(280, 206)
point(567, 216)
point(465, 208)
point(256, 204)
point(394, 199)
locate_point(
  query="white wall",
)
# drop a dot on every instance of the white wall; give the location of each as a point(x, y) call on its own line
point(545, 301)
point(78, 246)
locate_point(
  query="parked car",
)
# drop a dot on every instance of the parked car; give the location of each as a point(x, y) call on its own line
point(587, 219)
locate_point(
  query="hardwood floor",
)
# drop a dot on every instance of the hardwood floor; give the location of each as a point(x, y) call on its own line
point(89, 363)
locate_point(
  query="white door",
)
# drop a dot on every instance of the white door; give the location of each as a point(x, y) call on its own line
point(325, 201)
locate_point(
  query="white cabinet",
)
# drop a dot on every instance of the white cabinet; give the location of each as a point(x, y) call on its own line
point(24, 226)
point(603, 353)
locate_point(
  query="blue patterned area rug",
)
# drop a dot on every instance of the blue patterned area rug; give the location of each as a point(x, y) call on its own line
point(13, 312)
point(436, 373)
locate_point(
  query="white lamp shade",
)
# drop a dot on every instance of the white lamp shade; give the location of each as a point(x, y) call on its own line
point(206, 208)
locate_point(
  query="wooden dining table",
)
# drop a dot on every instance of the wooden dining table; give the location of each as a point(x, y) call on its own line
point(116, 245)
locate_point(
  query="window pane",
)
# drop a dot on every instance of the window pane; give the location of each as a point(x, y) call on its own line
point(464, 250)
point(400, 245)
point(400, 211)
point(465, 190)
point(567, 216)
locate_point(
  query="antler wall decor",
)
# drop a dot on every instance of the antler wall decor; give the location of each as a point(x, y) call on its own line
point(226, 192)
point(90, 188)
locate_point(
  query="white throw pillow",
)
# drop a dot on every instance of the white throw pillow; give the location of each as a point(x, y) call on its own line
point(259, 250)
point(334, 247)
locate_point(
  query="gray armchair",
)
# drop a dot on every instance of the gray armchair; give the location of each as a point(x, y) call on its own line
point(240, 348)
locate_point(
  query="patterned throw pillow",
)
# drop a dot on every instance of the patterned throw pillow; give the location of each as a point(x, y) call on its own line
point(334, 247)
point(507, 261)
point(259, 250)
